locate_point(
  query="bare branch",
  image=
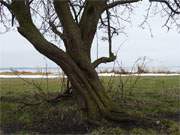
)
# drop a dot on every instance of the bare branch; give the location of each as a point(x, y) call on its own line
point(74, 11)
point(5, 4)
point(119, 2)
point(109, 33)
point(177, 3)
point(168, 5)
point(54, 29)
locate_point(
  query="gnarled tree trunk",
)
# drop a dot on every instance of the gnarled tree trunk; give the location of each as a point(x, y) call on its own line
point(76, 61)
point(90, 89)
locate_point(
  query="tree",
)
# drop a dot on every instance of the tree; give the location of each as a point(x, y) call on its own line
point(75, 22)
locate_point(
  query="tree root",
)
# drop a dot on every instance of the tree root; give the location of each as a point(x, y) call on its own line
point(125, 119)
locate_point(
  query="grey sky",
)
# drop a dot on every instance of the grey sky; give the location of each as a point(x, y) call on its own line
point(163, 49)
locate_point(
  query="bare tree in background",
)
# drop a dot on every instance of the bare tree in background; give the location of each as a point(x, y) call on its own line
point(75, 23)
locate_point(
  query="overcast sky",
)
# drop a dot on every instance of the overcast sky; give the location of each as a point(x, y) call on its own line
point(163, 49)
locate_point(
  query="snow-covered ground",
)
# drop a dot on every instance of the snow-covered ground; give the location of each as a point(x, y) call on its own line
point(100, 74)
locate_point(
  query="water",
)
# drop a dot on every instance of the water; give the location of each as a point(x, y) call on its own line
point(103, 71)
point(56, 70)
point(108, 69)
point(173, 69)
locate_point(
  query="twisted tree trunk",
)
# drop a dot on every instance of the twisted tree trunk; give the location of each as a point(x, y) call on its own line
point(84, 79)
point(76, 61)
point(97, 104)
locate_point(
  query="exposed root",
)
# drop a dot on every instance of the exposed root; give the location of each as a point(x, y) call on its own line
point(126, 119)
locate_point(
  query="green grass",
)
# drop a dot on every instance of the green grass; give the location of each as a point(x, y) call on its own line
point(155, 97)
point(148, 94)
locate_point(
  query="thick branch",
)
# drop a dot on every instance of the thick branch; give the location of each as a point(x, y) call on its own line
point(101, 60)
point(70, 28)
point(32, 34)
point(64, 14)
point(89, 20)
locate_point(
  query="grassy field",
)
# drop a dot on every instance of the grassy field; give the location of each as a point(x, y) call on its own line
point(25, 110)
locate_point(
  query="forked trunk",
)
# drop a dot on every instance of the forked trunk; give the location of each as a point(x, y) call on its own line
point(90, 90)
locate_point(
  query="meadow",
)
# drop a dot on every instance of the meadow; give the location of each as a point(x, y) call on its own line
point(24, 106)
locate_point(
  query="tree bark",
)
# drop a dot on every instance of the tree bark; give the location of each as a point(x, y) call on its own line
point(96, 103)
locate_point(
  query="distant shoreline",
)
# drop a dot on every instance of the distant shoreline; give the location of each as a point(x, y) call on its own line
point(51, 76)
point(55, 72)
